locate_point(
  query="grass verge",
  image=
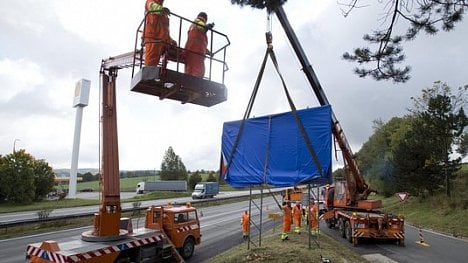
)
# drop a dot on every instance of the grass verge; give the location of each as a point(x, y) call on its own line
point(436, 212)
point(36, 228)
point(65, 203)
point(296, 249)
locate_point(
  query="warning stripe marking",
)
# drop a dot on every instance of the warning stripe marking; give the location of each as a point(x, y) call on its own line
point(56, 257)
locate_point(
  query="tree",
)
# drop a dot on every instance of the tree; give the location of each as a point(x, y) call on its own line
point(374, 158)
point(23, 178)
point(3, 179)
point(88, 176)
point(443, 114)
point(387, 52)
point(172, 167)
point(270, 5)
point(424, 159)
point(429, 16)
point(194, 179)
point(43, 179)
point(19, 177)
point(211, 177)
point(409, 159)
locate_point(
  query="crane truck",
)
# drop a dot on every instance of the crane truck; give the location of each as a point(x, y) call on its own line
point(169, 231)
point(348, 205)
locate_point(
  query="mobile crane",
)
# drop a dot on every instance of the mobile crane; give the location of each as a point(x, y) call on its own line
point(169, 232)
point(348, 206)
point(346, 200)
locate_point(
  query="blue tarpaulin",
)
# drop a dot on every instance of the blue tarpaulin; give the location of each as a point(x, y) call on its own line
point(272, 149)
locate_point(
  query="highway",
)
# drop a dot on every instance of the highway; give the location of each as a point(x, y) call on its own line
point(221, 231)
point(219, 225)
point(442, 248)
point(19, 216)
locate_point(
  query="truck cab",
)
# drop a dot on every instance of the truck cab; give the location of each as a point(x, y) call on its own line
point(205, 190)
point(294, 194)
point(179, 223)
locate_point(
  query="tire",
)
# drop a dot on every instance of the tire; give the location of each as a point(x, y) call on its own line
point(341, 226)
point(330, 223)
point(348, 233)
point(186, 251)
point(400, 242)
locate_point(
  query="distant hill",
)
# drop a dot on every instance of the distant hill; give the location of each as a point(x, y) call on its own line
point(123, 173)
point(66, 172)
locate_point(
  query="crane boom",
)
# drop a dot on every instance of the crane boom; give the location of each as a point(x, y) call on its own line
point(358, 189)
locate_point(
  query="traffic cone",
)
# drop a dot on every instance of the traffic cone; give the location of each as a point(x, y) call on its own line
point(421, 239)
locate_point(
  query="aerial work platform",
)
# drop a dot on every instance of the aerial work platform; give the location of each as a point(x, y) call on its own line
point(174, 85)
point(168, 79)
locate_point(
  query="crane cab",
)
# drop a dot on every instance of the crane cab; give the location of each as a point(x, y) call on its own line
point(167, 80)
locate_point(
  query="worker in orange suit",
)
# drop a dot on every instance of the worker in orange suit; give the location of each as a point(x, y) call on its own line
point(196, 46)
point(156, 33)
point(245, 223)
point(313, 217)
point(287, 220)
point(297, 217)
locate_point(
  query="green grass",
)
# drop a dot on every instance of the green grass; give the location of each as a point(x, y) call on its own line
point(36, 228)
point(46, 205)
point(55, 204)
point(127, 184)
point(296, 249)
point(438, 213)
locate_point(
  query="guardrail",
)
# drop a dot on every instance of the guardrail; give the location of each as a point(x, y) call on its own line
point(6, 225)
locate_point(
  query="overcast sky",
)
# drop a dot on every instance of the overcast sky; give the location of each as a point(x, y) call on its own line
point(47, 46)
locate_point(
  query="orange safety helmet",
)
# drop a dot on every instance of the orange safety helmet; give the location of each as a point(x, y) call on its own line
point(203, 16)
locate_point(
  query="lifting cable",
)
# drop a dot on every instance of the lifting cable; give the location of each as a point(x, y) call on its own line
point(270, 52)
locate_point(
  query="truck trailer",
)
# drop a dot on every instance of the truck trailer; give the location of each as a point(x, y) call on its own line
point(177, 186)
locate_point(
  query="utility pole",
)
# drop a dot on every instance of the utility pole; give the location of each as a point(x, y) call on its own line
point(79, 102)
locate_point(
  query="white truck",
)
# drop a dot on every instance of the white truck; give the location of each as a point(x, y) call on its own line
point(205, 190)
point(177, 186)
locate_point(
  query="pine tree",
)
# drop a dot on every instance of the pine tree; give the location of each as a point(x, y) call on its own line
point(386, 50)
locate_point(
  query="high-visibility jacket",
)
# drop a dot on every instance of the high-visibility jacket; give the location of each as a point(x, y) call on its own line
point(297, 214)
point(196, 49)
point(245, 222)
point(156, 32)
point(287, 218)
point(313, 221)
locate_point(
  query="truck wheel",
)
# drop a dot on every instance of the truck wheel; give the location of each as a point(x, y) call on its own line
point(400, 242)
point(187, 250)
point(348, 233)
point(341, 225)
point(329, 223)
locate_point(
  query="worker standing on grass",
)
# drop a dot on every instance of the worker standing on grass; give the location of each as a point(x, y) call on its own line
point(287, 220)
point(196, 46)
point(245, 223)
point(156, 33)
point(313, 216)
point(297, 215)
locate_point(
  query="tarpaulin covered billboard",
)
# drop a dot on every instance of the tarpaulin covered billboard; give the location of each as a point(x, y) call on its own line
point(273, 150)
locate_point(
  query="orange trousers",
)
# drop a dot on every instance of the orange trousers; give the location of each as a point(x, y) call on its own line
point(153, 52)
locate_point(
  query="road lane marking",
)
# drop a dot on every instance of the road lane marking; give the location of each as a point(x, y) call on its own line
point(379, 258)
